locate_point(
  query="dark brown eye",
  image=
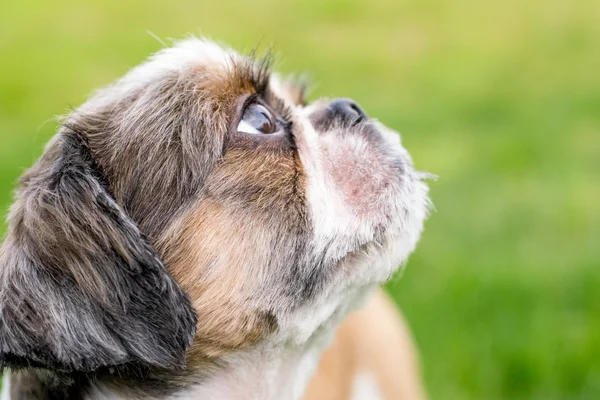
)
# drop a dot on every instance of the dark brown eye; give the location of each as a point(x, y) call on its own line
point(258, 120)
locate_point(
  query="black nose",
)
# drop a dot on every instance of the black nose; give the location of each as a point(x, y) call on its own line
point(347, 110)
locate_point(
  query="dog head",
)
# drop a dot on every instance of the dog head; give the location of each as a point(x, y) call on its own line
point(196, 207)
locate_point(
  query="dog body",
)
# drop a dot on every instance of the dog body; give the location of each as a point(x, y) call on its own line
point(372, 357)
point(197, 231)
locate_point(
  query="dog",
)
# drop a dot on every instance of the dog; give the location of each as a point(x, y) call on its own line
point(198, 231)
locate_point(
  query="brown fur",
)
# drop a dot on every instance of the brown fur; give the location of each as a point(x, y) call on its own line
point(219, 282)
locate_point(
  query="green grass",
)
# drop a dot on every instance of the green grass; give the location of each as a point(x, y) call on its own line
point(501, 99)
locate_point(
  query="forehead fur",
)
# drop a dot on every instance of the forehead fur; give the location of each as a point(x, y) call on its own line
point(183, 57)
point(157, 132)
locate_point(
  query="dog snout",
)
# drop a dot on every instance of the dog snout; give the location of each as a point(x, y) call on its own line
point(346, 110)
point(339, 113)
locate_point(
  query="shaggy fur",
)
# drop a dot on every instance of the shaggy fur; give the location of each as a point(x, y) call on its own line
point(153, 246)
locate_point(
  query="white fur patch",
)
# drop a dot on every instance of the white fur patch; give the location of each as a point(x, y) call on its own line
point(330, 214)
point(264, 373)
point(336, 225)
point(365, 387)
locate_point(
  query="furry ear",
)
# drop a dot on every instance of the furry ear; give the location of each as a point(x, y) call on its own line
point(80, 286)
point(292, 89)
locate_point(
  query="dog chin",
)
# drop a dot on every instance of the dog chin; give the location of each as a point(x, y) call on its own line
point(382, 257)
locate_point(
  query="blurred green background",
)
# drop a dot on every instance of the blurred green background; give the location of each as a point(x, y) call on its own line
point(501, 99)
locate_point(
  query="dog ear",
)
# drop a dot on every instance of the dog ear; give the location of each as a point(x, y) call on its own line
point(291, 88)
point(80, 286)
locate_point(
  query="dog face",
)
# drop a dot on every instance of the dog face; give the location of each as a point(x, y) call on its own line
point(199, 201)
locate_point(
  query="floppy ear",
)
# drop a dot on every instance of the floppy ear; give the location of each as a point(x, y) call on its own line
point(80, 286)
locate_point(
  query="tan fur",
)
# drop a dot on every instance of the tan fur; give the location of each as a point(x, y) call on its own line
point(218, 253)
point(219, 282)
point(377, 340)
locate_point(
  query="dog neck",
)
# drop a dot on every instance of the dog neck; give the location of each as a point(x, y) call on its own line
point(263, 373)
point(279, 369)
point(266, 372)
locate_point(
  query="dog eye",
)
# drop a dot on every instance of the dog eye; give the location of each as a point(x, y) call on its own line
point(257, 120)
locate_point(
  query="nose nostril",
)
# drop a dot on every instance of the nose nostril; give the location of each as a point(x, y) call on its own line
point(356, 108)
point(359, 112)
